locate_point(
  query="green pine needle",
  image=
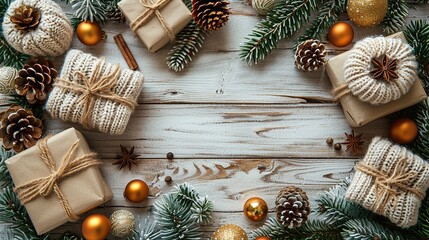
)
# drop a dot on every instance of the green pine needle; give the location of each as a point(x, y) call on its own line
point(11, 57)
point(421, 143)
point(5, 178)
point(394, 20)
point(281, 22)
point(90, 10)
point(368, 229)
point(145, 231)
point(328, 15)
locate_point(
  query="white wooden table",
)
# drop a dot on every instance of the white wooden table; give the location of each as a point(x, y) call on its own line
point(222, 120)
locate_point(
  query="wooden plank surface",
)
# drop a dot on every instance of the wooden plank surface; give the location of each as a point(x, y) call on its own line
point(222, 120)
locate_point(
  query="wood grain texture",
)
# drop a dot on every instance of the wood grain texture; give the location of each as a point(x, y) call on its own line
point(222, 120)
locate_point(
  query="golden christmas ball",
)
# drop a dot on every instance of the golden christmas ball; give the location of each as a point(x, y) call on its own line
point(123, 223)
point(95, 227)
point(229, 232)
point(255, 209)
point(90, 33)
point(7, 80)
point(403, 131)
point(341, 34)
point(136, 191)
point(366, 13)
point(263, 238)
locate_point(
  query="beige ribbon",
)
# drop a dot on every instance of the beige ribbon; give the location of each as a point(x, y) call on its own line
point(93, 88)
point(42, 187)
point(389, 186)
point(340, 91)
point(151, 10)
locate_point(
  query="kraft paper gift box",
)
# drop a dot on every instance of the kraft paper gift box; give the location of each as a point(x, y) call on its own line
point(152, 33)
point(83, 190)
point(359, 113)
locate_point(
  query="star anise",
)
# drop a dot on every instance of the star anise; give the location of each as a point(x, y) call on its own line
point(353, 142)
point(127, 158)
point(385, 69)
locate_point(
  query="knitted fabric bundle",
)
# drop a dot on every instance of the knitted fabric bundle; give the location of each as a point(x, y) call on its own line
point(390, 181)
point(52, 36)
point(105, 114)
point(358, 66)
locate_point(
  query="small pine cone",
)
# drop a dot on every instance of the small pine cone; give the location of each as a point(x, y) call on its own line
point(114, 13)
point(310, 55)
point(19, 129)
point(35, 79)
point(210, 14)
point(25, 18)
point(292, 207)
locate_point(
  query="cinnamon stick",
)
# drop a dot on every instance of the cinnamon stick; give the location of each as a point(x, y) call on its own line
point(126, 53)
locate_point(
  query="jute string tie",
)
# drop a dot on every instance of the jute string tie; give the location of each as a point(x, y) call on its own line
point(95, 87)
point(151, 10)
point(44, 186)
point(340, 91)
point(389, 186)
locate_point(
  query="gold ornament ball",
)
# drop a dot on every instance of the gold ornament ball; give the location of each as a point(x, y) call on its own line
point(255, 209)
point(263, 238)
point(229, 232)
point(341, 34)
point(95, 227)
point(123, 223)
point(403, 131)
point(366, 13)
point(7, 80)
point(136, 191)
point(89, 33)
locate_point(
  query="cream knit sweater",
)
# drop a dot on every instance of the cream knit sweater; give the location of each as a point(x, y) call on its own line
point(107, 115)
point(52, 37)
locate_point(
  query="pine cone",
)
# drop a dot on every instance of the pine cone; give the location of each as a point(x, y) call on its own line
point(310, 55)
point(19, 129)
point(35, 79)
point(114, 13)
point(292, 207)
point(25, 17)
point(210, 14)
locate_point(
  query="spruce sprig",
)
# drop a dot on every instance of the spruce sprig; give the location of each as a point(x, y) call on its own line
point(90, 10)
point(10, 57)
point(329, 13)
point(394, 20)
point(281, 22)
point(366, 229)
point(187, 44)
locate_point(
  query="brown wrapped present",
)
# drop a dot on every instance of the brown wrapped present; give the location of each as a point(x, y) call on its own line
point(58, 179)
point(359, 113)
point(156, 22)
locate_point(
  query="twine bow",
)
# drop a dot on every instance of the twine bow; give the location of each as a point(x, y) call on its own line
point(95, 87)
point(340, 91)
point(151, 10)
point(390, 186)
point(44, 186)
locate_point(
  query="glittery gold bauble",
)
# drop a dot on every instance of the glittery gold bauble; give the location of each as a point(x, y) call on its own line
point(255, 209)
point(89, 33)
point(136, 191)
point(122, 222)
point(7, 80)
point(95, 227)
point(340, 34)
point(403, 131)
point(263, 6)
point(366, 13)
point(263, 238)
point(229, 232)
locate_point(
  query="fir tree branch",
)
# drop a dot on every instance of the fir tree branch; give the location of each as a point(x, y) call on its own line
point(394, 20)
point(281, 22)
point(328, 15)
point(90, 10)
point(422, 227)
point(367, 229)
point(146, 231)
point(187, 44)
point(5, 178)
point(11, 57)
point(417, 34)
point(421, 144)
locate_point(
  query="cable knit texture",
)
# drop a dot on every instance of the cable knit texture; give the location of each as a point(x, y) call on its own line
point(107, 115)
point(358, 66)
point(52, 37)
point(398, 180)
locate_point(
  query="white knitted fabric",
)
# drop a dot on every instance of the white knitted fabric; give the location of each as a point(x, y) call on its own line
point(384, 156)
point(52, 37)
point(107, 116)
point(358, 66)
